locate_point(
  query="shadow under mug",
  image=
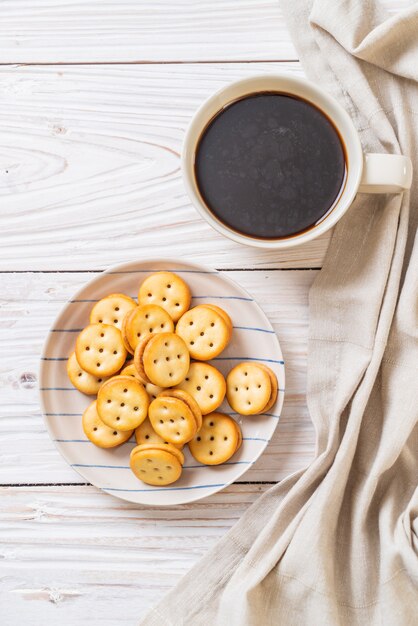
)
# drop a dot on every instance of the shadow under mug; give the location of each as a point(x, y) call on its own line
point(366, 173)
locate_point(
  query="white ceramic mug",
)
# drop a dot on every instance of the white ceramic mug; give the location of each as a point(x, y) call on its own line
point(366, 173)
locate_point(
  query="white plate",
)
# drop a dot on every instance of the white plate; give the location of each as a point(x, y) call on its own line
point(253, 339)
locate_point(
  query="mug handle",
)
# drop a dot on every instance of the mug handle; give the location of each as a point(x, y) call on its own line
point(385, 173)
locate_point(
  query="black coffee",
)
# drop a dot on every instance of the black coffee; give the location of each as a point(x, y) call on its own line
point(270, 165)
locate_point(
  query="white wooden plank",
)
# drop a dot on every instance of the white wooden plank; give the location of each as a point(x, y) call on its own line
point(63, 31)
point(30, 303)
point(90, 171)
point(77, 556)
point(59, 31)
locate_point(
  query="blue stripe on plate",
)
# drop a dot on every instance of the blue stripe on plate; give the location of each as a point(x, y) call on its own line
point(223, 298)
point(165, 488)
point(218, 358)
point(239, 414)
point(246, 358)
point(71, 440)
point(255, 439)
point(66, 330)
point(261, 330)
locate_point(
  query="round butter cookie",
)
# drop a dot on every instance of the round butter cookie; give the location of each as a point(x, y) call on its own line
point(82, 380)
point(155, 466)
point(204, 331)
point(217, 440)
point(100, 434)
point(99, 350)
point(168, 291)
point(206, 384)
point(188, 399)
point(248, 388)
point(147, 319)
point(145, 433)
point(165, 359)
point(274, 387)
point(112, 309)
point(172, 419)
point(122, 403)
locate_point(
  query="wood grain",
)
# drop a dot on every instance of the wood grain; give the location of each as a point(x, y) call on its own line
point(90, 170)
point(63, 31)
point(81, 557)
point(31, 301)
point(58, 31)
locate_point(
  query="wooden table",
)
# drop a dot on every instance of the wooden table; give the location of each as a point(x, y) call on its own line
point(94, 101)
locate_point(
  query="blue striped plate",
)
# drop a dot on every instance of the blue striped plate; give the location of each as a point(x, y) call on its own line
point(253, 339)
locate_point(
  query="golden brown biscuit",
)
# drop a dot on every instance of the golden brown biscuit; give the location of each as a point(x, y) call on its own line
point(274, 387)
point(130, 370)
point(168, 447)
point(99, 350)
point(122, 403)
point(204, 331)
point(187, 399)
point(217, 440)
point(145, 433)
point(138, 358)
point(168, 291)
point(221, 312)
point(248, 388)
point(100, 434)
point(82, 380)
point(206, 384)
point(123, 331)
point(172, 419)
point(165, 359)
point(147, 319)
point(155, 467)
point(112, 309)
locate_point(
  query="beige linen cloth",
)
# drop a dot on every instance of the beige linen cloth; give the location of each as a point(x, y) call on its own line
point(337, 543)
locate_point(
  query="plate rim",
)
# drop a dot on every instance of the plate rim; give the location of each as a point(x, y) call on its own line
point(120, 267)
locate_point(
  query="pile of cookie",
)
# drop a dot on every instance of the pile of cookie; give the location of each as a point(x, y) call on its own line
point(137, 358)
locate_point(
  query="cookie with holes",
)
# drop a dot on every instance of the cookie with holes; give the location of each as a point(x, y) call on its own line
point(99, 350)
point(130, 370)
point(112, 309)
point(152, 390)
point(168, 291)
point(82, 380)
point(206, 384)
point(274, 386)
point(122, 403)
point(204, 331)
point(188, 399)
point(147, 319)
point(99, 433)
point(249, 388)
point(145, 433)
point(217, 440)
point(124, 330)
point(162, 359)
point(172, 419)
point(155, 466)
point(169, 447)
point(222, 313)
